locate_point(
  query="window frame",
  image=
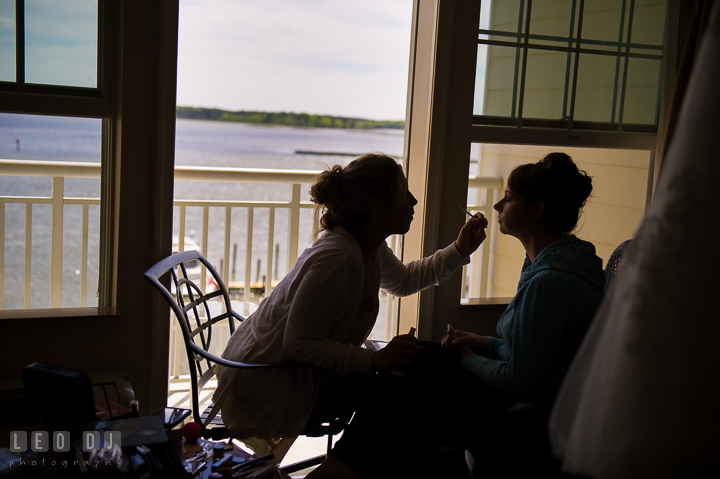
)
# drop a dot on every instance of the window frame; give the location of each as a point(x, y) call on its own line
point(53, 100)
point(576, 46)
point(439, 133)
point(21, 97)
point(133, 332)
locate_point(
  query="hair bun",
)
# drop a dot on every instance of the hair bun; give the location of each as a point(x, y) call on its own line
point(574, 182)
point(347, 195)
point(560, 162)
point(328, 186)
point(559, 184)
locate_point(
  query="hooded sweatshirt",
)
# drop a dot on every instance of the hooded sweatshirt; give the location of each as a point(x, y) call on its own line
point(544, 324)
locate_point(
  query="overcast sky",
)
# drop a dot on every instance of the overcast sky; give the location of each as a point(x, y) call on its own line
point(337, 57)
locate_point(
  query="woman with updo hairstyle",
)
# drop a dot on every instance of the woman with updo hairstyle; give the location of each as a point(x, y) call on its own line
point(560, 288)
point(556, 182)
point(325, 307)
point(347, 196)
point(477, 378)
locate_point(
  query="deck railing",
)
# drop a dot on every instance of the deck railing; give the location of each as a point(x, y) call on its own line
point(474, 277)
point(58, 171)
point(484, 192)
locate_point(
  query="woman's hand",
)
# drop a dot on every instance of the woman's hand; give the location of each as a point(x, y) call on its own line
point(471, 235)
point(466, 344)
point(448, 342)
point(401, 350)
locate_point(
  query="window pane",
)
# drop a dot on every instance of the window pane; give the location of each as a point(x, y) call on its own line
point(649, 24)
point(7, 40)
point(31, 138)
point(502, 81)
point(552, 21)
point(61, 42)
point(641, 92)
point(547, 85)
point(605, 22)
point(479, 96)
point(507, 17)
point(596, 99)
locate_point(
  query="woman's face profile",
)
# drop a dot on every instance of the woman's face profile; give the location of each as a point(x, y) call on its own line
point(513, 216)
point(398, 221)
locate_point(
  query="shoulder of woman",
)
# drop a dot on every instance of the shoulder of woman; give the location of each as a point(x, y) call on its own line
point(331, 252)
point(338, 242)
point(384, 250)
point(574, 272)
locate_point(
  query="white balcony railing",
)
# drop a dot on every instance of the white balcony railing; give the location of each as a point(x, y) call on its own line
point(475, 277)
point(484, 192)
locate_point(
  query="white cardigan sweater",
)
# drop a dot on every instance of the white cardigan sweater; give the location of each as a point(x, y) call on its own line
point(310, 317)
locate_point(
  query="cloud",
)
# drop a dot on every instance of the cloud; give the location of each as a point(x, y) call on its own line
point(319, 56)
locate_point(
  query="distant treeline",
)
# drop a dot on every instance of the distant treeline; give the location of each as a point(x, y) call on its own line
point(282, 118)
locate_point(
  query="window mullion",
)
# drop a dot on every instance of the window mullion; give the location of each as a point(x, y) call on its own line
point(617, 62)
point(523, 72)
point(627, 63)
point(662, 64)
point(517, 59)
point(581, 12)
point(20, 45)
point(568, 60)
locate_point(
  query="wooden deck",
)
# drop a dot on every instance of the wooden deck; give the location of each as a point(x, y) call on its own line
point(179, 392)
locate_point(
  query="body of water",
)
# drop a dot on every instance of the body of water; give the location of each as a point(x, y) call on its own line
point(198, 143)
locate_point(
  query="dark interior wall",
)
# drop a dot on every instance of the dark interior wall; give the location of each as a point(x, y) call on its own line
point(72, 338)
point(479, 318)
point(134, 334)
point(144, 139)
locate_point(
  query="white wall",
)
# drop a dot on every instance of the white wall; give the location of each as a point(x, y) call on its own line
point(610, 217)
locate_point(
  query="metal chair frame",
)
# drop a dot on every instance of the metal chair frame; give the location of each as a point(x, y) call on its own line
point(615, 267)
point(188, 303)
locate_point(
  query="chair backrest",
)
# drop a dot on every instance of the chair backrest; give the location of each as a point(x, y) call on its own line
point(615, 268)
point(196, 310)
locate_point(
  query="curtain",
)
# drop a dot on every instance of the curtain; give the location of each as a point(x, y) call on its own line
point(692, 17)
point(642, 398)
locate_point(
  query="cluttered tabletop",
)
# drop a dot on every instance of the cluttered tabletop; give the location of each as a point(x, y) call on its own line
point(215, 460)
point(131, 448)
